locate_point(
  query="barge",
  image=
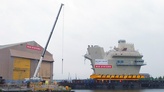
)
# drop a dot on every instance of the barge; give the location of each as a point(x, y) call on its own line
point(114, 84)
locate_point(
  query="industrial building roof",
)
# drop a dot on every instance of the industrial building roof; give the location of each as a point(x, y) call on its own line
point(10, 45)
point(32, 51)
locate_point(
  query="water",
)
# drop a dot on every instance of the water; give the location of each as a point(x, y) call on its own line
point(142, 90)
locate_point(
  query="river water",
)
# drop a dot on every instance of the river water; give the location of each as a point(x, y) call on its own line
point(142, 90)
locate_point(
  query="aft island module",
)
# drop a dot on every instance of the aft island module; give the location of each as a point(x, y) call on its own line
point(120, 63)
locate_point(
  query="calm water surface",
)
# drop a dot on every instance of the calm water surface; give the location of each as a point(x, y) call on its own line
point(143, 90)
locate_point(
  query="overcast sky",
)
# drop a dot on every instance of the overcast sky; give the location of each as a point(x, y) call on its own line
point(86, 22)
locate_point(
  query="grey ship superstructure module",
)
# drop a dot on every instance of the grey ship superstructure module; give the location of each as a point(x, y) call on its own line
point(118, 68)
point(120, 63)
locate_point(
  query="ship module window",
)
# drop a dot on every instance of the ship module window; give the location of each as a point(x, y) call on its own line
point(139, 61)
point(120, 61)
point(124, 49)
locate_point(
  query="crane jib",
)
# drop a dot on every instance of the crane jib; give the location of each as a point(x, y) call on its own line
point(42, 56)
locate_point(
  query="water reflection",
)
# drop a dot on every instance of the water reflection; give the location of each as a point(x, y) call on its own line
point(143, 90)
point(116, 91)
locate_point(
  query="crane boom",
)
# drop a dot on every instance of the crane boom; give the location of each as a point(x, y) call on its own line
point(43, 53)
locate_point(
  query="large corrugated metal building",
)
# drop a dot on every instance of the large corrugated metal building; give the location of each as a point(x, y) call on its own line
point(19, 61)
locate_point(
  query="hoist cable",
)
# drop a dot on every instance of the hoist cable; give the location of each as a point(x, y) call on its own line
point(63, 41)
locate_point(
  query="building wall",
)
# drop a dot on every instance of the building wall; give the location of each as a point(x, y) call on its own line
point(46, 69)
point(5, 64)
point(51, 73)
point(28, 50)
point(34, 64)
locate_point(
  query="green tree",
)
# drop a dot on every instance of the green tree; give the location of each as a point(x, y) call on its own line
point(160, 78)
